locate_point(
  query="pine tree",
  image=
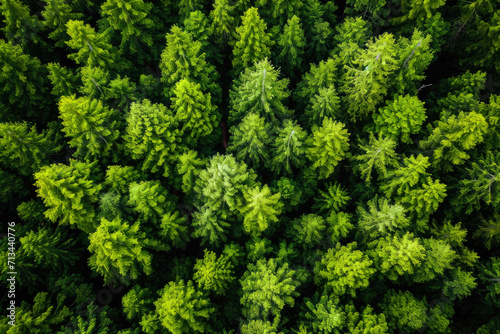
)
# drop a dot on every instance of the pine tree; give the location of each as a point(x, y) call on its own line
point(20, 27)
point(213, 274)
point(324, 104)
point(92, 127)
point(118, 178)
point(344, 269)
point(404, 312)
point(490, 230)
point(425, 200)
point(56, 14)
point(136, 301)
point(267, 287)
point(182, 308)
point(251, 139)
point(366, 322)
point(291, 45)
point(150, 199)
point(308, 230)
point(379, 154)
point(381, 218)
point(24, 149)
point(51, 248)
point(328, 145)
point(93, 49)
point(69, 193)
point(400, 118)
point(198, 25)
point(320, 40)
point(117, 249)
point(367, 79)
point(452, 137)
point(259, 326)
point(260, 91)
point(350, 37)
point(261, 208)
point(418, 11)
point(193, 111)
point(95, 82)
point(22, 79)
point(63, 80)
point(209, 226)
point(152, 136)
point(412, 173)
point(182, 58)
point(334, 199)
point(220, 186)
point(324, 316)
point(130, 18)
point(253, 43)
point(461, 285)
point(438, 257)
point(288, 148)
point(223, 22)
point(395, 256)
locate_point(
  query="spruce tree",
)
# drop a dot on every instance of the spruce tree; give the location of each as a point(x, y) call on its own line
point(291, 47)
point(56, 14)
point(288, 149)
point(260, 209)
point(379, 154)
point(212, 273)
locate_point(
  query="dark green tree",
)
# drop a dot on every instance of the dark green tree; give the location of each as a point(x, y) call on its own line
point(291, 47)
point(288, 148)
point(56, 14)
point(20, 27)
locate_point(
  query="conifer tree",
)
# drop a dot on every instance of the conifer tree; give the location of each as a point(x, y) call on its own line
point(93, 49)
point(118, 178)
point(328, 145)
point(334, 199)
point(308, 230)
point(194, 111)
point(288, 148)
point(490, 230)
point(400, 118)
point(366, 322)
point(259, 326)
point(350, 37)
point(291, 47)
point(367, 80)
point(63, 80)
point(181, 308)
point(320, 40)
point(425, 200)
point(152, 136)
point(395, 256)
point(251, 139)
point(267, 287)
point(95, 82)
point(460, 286)
point(413, 172)
point(325, 316)
point(379, 154)
point(56, 14)
point(51, 248)
point(452, 137)
point(198, 25)
point(223, 22)
point(261, 208)
point(344, 269)
point(404, 312)
point(130, 18)
point(381, 218)
point(22, 79)
point(253, 44)
point(438, 258)
point(213, 274)
point(92, 127)
point(260, 91)
point(24, 149)
point(208, 225)
point(20, 27)
point(324, 104)
point(69, 193)
point(117, 249)
point(182, 58)
point(150, 199)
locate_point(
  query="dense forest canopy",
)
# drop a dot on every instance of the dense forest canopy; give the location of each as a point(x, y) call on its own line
point(234, 166)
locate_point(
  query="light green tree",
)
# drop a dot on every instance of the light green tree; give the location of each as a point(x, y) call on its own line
point(253, 43)
point(69, 193)
point(344, 269)
point(117, 249)
point(381, 218)
point(93, 129)
point(223, 22)
point(288, 148)
point(182, 309)
point(213, 274)
point(324, 316)
point(324, 104)
point(56, 14)
point(291, 45)
point(438, 257)
point(328, 145)
point(64, 81)
point(261, 208)
point(412, 173)
point(308, 231)
point(20, 27)
point(379, 154)
point(403, 311)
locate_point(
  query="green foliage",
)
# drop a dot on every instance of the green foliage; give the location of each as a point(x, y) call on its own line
point(308, 230)
point(366, 81)
point(267, 287)
point(403, 311)
point(193, 111)
point(95, 82)
point(223, 22)
point(490, 231)
point(333, 199)
point(328, 145)
point(259, 326)
point(182, 308)
point(251, 139)
point(453, 137)
point(425, 200)
point(438, 257)
point(56, 14)
point(291, 45)
point(213, 274)
point(324, 317)
point(68, 192)
point(19, 26)
point(260, 91)
point(288, 149)
point(135, 301)
point(92, 127)
point(379, 153)
point(117, 249)
point(395, 256)
point(460, 286)
point(325, 104)
point(152, 136)
point(412, 172)
point(339, 225)
point(253, 43)
point(24, 149)
point(261, 208)
point(366, 322)
point(63, 80)
point(400, 118)
point(344, 269)
point(381, 218)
